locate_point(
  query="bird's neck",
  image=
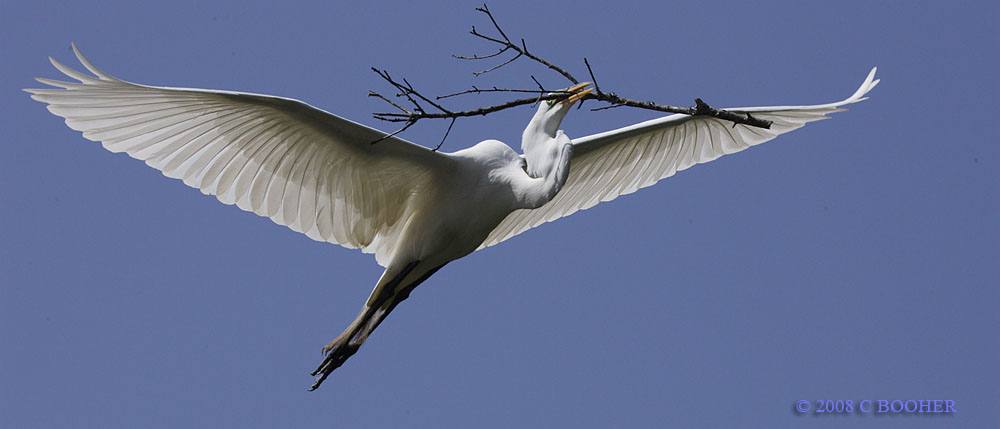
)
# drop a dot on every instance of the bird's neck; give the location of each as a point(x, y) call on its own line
point(547, 152)
point(540, 127)
point(546, 171)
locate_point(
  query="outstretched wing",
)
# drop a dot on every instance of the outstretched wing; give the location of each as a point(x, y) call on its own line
point(622, 161)
point(304, 168)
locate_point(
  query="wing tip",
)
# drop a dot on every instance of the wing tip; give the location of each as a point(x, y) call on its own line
point(82, 77)
point(89, 65)
point(866, 86)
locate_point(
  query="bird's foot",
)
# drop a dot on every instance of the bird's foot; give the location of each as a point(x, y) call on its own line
point(336, 353)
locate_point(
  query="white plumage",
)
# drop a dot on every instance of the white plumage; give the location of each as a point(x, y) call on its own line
point(414, 208)
point(619, 162)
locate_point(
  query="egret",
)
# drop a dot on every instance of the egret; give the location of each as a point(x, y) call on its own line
point(415, 209)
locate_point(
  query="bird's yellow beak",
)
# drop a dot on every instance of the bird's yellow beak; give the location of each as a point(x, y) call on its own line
point(578, 92)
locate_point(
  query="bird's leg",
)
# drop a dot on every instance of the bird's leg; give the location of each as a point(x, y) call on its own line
point(366, 313)
point(348, 342)
point(401, 296)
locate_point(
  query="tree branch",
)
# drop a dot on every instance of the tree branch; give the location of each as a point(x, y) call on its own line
point(476, 90)
point(508, 45)
point(415, 116)
point(417, 112)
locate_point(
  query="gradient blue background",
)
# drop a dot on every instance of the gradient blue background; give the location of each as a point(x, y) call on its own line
point(856, 258)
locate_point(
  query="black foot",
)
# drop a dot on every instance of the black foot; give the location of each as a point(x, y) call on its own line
point(337, 353)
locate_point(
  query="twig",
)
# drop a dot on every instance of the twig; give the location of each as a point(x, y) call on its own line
point(508, 45)
point(477, 57)
point(375, 94)
point(475, 90)
point(408, 125)
point(420, 96)
point(596, 109)
point(405, 117)
point(597, 88)
point(417, 112)
point(446, 132)
point(537, 83)
point(497, 66)
point(699, 109)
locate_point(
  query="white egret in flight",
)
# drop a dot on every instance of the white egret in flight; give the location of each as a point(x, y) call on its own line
point(414, 208)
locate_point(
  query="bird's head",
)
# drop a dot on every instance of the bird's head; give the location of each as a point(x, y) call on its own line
point(550, 113)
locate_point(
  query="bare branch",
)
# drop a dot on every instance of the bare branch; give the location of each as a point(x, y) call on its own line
point(375, 94)
point(548, 64)
point(478, 57)
point(410, 116)
point(537, 83)
point(408, 125)
point(506, 45)
point(497, 66)
point(486, 10)
point(446, 132)
point(403, 90)
point(613, 106)
point(420, 96)
point(416, 116)
point(699, 109)
point(475, 90)
point(597, 88)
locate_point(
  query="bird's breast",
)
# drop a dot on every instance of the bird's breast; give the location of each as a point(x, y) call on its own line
point(455, 215)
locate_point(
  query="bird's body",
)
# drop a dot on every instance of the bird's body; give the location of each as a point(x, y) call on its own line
point(414, 208)
point(469, 193)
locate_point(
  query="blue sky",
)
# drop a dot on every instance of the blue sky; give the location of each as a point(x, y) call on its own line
point(856, 258)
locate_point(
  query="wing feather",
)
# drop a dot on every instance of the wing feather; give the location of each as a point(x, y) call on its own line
point(619, 162)
point(304, 168)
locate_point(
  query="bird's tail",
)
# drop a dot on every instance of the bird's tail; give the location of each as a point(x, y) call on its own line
point(385, 297)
